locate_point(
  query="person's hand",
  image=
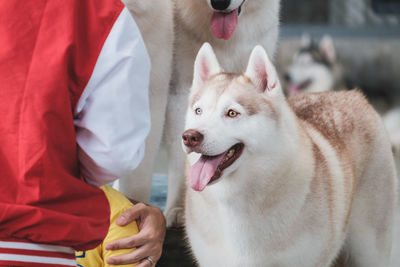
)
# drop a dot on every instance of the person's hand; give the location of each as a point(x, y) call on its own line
point(148, 242)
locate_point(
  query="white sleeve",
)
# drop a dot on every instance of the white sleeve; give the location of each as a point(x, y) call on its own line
point(112, 116)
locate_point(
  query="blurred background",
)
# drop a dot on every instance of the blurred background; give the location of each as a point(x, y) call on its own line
point(366, 37)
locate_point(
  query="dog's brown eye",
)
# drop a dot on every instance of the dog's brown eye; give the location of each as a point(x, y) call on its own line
point(232, 113)
point(198, 111)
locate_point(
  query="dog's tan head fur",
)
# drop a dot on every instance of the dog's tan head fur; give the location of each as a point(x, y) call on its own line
point(256, 91)
point(252, 89)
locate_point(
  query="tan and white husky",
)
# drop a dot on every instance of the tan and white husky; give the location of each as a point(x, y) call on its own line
point(306, 182)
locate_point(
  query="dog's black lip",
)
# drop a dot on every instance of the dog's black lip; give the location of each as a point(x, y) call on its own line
point(305, 84)
point(239, 147)
point(240, 7)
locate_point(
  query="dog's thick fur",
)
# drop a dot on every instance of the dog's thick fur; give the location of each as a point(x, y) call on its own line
point(257, 24)
point(155, 21)
point(314, 184)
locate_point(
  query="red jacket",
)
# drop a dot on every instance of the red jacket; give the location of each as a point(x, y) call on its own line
point(48, 49)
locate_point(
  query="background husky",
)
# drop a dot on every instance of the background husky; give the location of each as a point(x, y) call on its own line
point(233, 28)
point(314, 67)
point(259, 203)
point(151, 14)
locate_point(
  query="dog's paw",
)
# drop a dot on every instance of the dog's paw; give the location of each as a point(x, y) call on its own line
point(174, 217)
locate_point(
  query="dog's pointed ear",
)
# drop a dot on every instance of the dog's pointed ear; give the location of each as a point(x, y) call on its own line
point(205, 65)
point(262, 72)
point(327, 48)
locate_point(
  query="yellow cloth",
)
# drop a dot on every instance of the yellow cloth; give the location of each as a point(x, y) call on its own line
point(96, 257)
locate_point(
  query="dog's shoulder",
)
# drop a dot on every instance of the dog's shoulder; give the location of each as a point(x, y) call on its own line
point(313, 104)
point(336, 114)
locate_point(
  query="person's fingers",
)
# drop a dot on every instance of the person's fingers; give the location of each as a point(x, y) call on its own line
point(128, 242)
point(132, 214)
point(123, 259)
point(137, 255)
point(148, 241)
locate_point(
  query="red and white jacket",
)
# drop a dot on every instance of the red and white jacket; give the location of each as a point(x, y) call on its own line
point(73, 106)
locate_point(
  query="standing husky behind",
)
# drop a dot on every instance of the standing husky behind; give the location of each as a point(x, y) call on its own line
point(233, 27)
point(281, 183)
point(155, 21)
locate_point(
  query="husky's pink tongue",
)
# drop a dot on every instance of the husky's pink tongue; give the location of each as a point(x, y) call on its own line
point(202, 171)
point(223, 24)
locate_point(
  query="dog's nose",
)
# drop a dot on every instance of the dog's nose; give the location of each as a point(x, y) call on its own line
point(192, 138)
point(220, 4)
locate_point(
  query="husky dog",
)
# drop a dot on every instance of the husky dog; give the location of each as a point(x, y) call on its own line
point(155, 21)
point(314, 67)
point(305, 182)
point(233, 27)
